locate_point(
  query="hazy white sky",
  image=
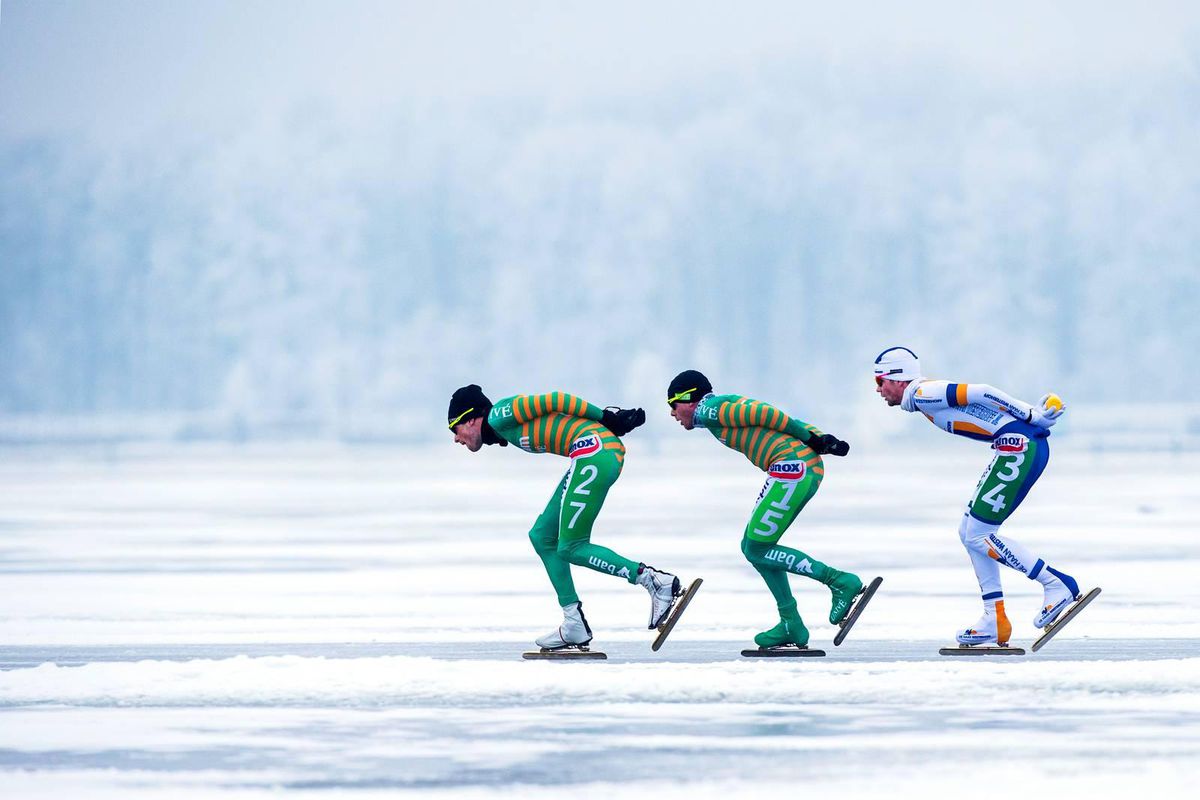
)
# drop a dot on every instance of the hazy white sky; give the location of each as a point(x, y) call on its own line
point(127, 67)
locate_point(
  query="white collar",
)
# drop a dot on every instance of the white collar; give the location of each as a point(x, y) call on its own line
point(910, 391)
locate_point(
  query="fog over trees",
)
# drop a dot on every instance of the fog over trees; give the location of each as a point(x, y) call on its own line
point(776, 223)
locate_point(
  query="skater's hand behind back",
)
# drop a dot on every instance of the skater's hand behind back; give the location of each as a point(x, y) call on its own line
point(828, 444)
point(622, 420)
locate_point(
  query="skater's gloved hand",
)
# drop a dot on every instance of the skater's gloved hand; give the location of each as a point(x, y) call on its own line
point(829, 444)
point(1047, 411)
point(622, 420)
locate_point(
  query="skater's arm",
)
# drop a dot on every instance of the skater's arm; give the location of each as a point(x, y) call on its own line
point(530, 406)
point(803, 431)
point(756, 414)
point(820, 442)
point(962, 394)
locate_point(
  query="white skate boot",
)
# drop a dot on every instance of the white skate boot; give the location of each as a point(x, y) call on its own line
point(993, 626)
point(1055, 600)
point(574, 631)
point(663, 588)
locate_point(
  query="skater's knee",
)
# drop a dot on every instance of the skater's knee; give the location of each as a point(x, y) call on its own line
point(962, 528)
point(974, 533)
point(570, 551)
point(755, 552)
point(541, 542)
point(747, 549)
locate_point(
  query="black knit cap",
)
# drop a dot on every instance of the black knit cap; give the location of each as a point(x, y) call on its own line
point(467, 402)
point(687, 387)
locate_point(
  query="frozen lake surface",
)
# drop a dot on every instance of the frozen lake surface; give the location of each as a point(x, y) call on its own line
point(350, 621)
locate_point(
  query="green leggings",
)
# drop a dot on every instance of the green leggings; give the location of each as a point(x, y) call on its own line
point(779, 502)
point(562, 534)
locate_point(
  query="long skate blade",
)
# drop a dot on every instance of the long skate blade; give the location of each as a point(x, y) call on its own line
point(856, 610)
point(564, 654)
point(788, 651)
point(1053, 628)
point(981, 650)
point(664, 630)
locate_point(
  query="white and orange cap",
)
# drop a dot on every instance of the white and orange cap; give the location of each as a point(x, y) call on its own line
point(897, 364)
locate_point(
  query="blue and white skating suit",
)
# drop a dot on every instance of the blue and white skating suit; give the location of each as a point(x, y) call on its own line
point(1018, 433)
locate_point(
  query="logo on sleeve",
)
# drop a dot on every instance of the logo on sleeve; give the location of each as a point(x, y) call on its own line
point(527, 445)
point(980, 411)
point(585, 446)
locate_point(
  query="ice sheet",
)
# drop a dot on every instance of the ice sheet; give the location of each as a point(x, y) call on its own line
point(350, 621)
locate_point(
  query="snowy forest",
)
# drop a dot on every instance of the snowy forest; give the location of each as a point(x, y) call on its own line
point(317, 268)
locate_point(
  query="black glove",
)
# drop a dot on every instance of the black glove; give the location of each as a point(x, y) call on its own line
point(622, 420)
point(828, 444)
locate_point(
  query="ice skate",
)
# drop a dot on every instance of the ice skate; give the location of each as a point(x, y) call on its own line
point(574, 631)
point(856, 610)
point(788, 638)
point(1058, 594)
point(790, 630)
point(1066, 616)
point(663, 588)
point(992, 627)
point(988, 636)
point(682, 600)
point(985, 631)
point(845, 587)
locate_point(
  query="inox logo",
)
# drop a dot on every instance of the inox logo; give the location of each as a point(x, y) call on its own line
point(1011, 444)
point(787, 470)
point(589, 441)
point(584, 446)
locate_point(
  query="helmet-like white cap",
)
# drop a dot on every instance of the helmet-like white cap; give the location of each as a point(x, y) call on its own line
point(898, 364)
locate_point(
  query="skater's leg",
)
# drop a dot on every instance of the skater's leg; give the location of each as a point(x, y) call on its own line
point(993, 626)
point(973, 534)
point(544, 536)
point(779, 503)
point(585, 488)
point(790, 629)
point(1007, 481)
point(780, 559)
point(1019, 462)
point(772, 574)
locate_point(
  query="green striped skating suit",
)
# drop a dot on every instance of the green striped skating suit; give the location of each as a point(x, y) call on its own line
point(776, 444)
point(566, 425)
